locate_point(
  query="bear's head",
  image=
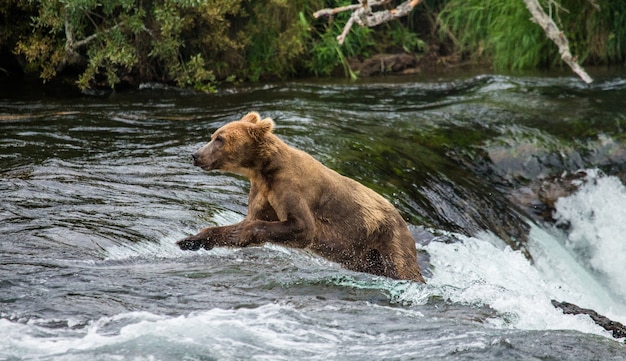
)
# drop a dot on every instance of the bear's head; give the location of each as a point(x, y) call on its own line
point(235, 147)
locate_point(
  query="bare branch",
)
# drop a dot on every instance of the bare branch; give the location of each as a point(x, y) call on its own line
point(71, 45)
point(91, 38)
point(69, 34)
point(346, 29)
point(553, 33)
point(384, 16)
point(362, 14)
point(329, 12)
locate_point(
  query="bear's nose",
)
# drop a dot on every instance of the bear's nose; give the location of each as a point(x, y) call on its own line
point(194, 156)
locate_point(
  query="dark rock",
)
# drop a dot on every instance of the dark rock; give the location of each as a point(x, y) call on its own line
point(549, 190)
point(385, 63)
point(540, 197)
point(618, 330)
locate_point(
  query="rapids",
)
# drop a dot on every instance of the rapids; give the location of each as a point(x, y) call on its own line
point(95, 191)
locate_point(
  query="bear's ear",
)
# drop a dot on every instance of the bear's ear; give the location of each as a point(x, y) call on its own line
point(261, 128)
point(266, 125)
point(252, 117)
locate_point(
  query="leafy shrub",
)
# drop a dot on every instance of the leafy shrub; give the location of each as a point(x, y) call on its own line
point(199, 43)
point(500, 30)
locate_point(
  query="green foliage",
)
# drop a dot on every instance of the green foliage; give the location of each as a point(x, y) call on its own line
point(192, 43)
point(113, 56)
point(66, 32)
point(496, 29)
point(121, 40)
point(199, 43)
point(325, 54)
point(275, 39)
point(408, 40)
point(597, 34)
point(500, 30)
point(194, 74)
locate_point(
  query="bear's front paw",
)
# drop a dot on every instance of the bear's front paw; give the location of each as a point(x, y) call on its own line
point(189, 244)
point(192, 243)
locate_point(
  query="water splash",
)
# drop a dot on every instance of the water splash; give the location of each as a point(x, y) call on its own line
point(473, 271)
point(597, 231)
point(476, 272)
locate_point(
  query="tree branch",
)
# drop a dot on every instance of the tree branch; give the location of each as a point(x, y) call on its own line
point(553, 33)
point(362, 14)
point(71, 45)
point(346, 29)
point(72, 56)
point(329, 12)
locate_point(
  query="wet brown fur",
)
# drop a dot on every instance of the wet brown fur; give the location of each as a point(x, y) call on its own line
point(296, 201)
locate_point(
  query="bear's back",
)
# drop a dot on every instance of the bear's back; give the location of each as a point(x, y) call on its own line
point(355, 225)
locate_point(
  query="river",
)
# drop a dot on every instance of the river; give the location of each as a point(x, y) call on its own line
point(96, 190)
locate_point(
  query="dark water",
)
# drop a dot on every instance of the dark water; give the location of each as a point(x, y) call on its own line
point(95, 191)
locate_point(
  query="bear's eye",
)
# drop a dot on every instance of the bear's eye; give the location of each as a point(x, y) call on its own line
point(219, 139)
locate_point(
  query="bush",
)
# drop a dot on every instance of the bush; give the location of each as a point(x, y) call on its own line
point(199, 43)
point(500, 31)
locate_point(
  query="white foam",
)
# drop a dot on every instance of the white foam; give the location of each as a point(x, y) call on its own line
point(476, 272)
point(574, 282)
point(473, 271)
point(597, 234)
point(267, 332)
point(480, 271)
point(30, 340)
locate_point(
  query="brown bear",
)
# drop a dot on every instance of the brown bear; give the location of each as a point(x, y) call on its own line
point(296, 201)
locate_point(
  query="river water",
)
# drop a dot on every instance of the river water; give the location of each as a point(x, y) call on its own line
point(95, 191)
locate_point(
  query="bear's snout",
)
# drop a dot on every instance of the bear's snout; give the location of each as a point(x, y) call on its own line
point(202, 159)
point(197, 160)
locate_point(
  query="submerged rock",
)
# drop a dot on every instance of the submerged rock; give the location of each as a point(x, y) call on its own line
point(617, 329)
point(540, 196)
